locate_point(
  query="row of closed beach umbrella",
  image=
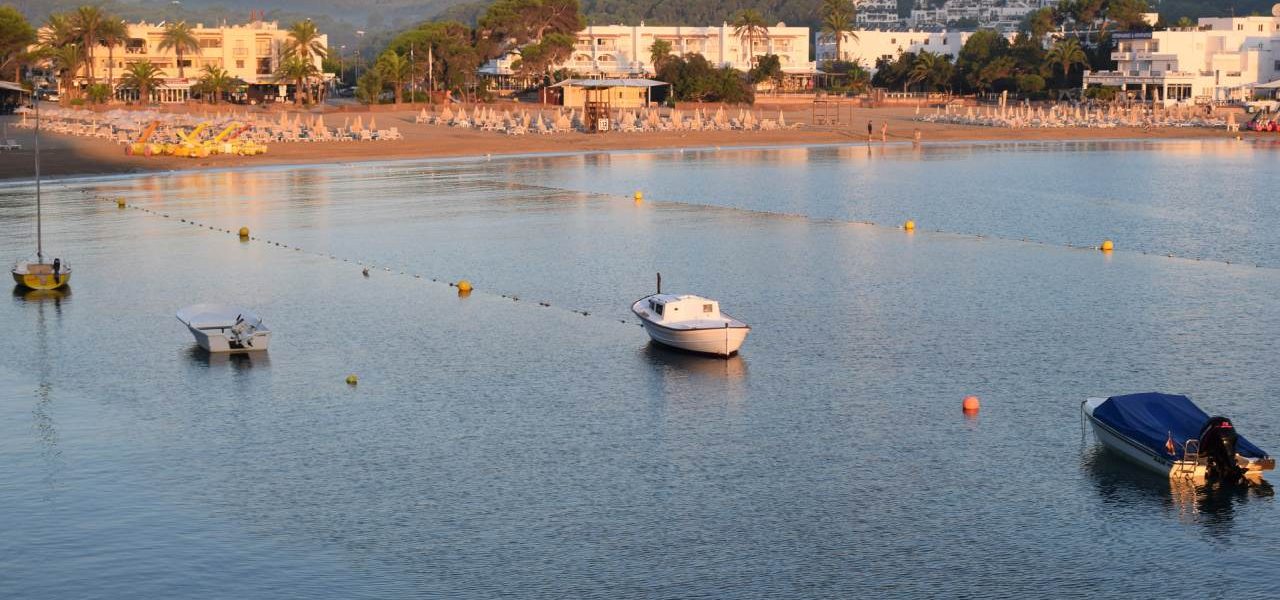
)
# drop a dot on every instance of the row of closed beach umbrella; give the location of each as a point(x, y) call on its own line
point(127, 126)
point(1076, 115)
point(521, 122)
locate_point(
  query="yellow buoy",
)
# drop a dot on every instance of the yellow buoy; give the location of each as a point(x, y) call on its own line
point(464, 286)
point(909, 225)
point(352, 379)
point(244, 232)
point(1107, 246)
point(971, 404)
point(120, 202)
point(639, 196)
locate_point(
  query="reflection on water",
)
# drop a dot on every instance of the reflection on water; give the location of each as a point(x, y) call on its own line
point(42, 421)
point(238, 360)
point(54, 297)
point(666, 358)
point(1121, 484)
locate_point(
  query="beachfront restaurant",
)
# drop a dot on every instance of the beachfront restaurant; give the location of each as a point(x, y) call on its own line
point(614, 93)
point(12, 96)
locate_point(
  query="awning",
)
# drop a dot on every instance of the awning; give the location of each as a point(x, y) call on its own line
point(13, 87)
point(610, 83)
point(1274, 85)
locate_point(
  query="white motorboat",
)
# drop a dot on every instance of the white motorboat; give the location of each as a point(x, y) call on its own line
point(1170, 435)
point(691, 323)
point(220, 328)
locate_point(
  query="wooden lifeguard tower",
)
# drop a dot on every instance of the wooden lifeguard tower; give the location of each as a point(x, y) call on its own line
point(596, 110)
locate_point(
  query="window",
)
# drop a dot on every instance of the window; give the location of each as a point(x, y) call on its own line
point(264, 47)
point(210, 42)
point(264, 66)
point(1277, 66)
point(707, 308)
point(1240, 27)
point(239, 64)
point(658, 309)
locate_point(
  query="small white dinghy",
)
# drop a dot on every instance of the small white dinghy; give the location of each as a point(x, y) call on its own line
point(220, 328)
point(690, 323)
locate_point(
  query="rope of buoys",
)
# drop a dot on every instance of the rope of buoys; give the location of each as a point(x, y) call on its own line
point(464, 287)
point(1107, 246)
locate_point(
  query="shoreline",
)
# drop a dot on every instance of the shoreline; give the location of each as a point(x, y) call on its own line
point(65, 157)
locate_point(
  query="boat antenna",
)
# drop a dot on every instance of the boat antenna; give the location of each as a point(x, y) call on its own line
point(35, 101)
point(659, 283)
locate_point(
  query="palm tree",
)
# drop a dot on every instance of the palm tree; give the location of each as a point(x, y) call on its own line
point(297, 70)
point(179, 37)
point(659, 52)
point(66, 61)
point(748, 24)
point(922, 69)
point(112, 33)
point(87, 21)
point(59, 30)
point(304, 41)
point(395, 68)
point(1067, 53)
point(838, 18)
point(142, 76)
point(216, 80)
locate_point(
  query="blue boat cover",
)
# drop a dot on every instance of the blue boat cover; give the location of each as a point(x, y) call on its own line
point(1150, 418)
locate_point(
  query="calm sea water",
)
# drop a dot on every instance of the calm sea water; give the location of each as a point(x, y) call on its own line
point(499, 447)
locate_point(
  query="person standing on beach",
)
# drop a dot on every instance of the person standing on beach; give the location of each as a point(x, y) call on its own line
point(884, 132)
point(870, 130)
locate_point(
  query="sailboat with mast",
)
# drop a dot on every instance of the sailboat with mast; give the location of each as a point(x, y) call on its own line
point(38, 274)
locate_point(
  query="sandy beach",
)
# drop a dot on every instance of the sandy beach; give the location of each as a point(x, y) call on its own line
point(65, 155)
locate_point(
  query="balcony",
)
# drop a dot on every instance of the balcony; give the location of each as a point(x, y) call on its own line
point(135, 50)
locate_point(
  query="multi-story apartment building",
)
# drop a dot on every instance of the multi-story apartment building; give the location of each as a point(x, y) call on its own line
point(1220, 60)
point(1002, 15)
point(624, 51)
point(250, 52)
point(877, 14)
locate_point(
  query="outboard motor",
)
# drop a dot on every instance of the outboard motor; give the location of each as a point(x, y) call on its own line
point(1218, 445)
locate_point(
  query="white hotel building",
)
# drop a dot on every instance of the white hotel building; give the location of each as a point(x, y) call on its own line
point(871, 45)
point(1218, 61)
point(250, 52)
point(612, 51)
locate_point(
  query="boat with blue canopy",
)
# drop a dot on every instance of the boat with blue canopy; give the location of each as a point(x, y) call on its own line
point(1169, 434)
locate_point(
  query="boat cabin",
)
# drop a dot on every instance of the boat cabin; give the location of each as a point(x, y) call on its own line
point(669, 308)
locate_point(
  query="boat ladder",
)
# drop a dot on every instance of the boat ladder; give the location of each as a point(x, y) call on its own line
point(1186, 468)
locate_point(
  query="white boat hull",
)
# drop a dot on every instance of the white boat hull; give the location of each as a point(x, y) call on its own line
point(216, 341)
point(222, 329)
point(723, 342)
point(1121, 445)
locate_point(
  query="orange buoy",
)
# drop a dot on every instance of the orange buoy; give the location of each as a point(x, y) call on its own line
point(1107, 246)
point(971, 404)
